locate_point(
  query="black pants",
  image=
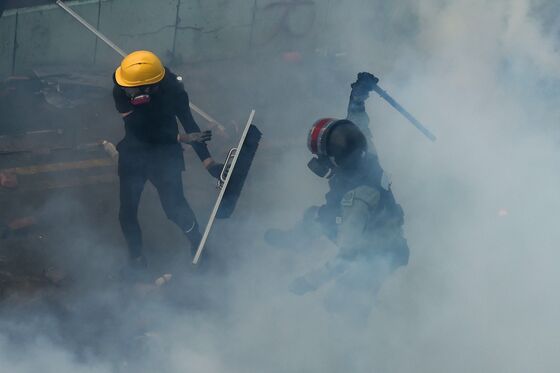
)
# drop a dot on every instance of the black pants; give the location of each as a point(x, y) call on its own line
point(169, 185)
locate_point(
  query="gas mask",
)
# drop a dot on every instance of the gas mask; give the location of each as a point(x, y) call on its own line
point(324, 166)
point(321, 166)
point(140, 95)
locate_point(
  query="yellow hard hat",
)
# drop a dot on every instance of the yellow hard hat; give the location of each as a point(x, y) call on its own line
point(139, 68)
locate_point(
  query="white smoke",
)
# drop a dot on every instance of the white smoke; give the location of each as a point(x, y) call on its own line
point(480, 203)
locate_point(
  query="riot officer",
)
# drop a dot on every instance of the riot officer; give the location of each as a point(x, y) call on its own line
point(360, 214)
point(150, 99)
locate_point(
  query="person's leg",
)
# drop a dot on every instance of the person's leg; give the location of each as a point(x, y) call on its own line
point(131, 187)
point(170, 189)
point(301, 235)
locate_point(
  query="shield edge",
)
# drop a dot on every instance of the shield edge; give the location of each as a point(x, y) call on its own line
point(222, 191)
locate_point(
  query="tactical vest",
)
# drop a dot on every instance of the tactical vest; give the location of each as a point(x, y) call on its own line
point(387, 211)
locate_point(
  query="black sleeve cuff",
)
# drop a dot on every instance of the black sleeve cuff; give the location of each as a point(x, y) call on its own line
point(201, 151)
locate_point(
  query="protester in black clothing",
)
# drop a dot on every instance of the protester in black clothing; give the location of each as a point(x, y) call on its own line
point(150, 98)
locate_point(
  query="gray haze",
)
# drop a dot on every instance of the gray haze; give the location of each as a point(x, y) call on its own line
point(480, 204)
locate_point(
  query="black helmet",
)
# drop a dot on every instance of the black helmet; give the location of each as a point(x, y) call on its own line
point(339, 140)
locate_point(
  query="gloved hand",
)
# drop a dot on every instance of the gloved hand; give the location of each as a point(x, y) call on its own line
point(216, 169)
point(301, 286)
point(196, 137)
point(365, 80)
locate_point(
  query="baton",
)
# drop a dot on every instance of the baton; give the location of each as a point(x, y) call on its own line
point(384, 95)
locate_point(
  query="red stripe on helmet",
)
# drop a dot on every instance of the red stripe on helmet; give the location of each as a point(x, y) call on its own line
point(315, 133)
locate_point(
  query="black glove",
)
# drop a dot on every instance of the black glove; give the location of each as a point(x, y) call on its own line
point(196, 137)
point(216, 170)
point(364, 84)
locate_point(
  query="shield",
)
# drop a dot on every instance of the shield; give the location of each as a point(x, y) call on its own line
point(232, 179)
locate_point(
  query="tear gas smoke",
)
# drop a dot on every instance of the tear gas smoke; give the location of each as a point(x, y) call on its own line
point(479, 292)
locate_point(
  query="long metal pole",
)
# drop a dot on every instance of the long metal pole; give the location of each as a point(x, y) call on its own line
point(85, 23)
point(113, 46)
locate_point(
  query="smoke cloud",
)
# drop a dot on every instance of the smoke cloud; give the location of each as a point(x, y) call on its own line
point(479, 293)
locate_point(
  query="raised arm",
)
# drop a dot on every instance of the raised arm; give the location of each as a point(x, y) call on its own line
point(356, 107)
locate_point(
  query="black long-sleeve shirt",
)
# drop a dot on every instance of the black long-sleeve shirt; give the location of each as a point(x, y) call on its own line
point(154, 124)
